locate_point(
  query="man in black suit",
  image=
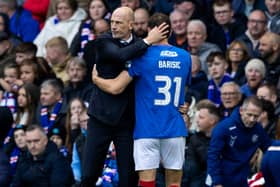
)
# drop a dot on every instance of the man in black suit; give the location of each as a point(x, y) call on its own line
point(112, 116)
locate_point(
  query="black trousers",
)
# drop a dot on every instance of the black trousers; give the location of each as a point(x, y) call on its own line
point(99, 137)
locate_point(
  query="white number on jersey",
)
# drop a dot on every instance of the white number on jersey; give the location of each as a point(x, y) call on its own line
point(165, 90)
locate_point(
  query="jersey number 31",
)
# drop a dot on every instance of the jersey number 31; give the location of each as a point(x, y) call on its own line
point(165, 90)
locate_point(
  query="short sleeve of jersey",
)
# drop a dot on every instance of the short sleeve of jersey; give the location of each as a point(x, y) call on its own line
point(136, 67)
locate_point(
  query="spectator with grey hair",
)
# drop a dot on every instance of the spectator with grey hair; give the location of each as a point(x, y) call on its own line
point(196, 37)
point(178, 37)
point(77, 86)
point(231, 97)
point(22, 24)
point(255, 74)
point(256, 27)
point(51, 111)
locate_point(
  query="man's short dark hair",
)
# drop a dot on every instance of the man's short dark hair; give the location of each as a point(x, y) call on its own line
point(271, 87)
point(217, 54)
point(27, 47)
point(222, 3)
point(157, 19)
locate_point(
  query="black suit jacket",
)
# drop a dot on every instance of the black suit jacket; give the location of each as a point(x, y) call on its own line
point(111, 57)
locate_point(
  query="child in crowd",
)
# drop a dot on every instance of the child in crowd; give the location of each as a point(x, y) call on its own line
point(25, 50)
point(73, 129)
point(19, 146)
point(27, 100)
point(29, 71)
point(10, 86)
point(58, 135)
point(217, 66)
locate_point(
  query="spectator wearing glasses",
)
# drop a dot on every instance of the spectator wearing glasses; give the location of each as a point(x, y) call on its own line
point(256, 27)
point(227, 28)
point(231, 97)
point(237, 57)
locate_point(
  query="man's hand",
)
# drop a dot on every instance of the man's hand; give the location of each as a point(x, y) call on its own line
point(218, 185)
point(157, 34)
point(94, 74)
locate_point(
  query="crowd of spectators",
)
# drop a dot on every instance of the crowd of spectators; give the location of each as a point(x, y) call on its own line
point(46, 62)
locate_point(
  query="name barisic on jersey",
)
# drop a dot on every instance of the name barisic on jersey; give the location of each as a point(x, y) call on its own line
point(169, 63)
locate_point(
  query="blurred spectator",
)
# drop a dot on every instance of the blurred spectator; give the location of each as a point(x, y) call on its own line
point(58, 55)
point(194, 9)
point(273, 15)
point(227, 28)
point(134, 4)
point(75, 108)
point(196, 37)
point(77, 86)
point(199, 81)
point(268, 91)
point(231, 97)
point(43, 165)
point(217, 66)
point(237, 57)
point(51, 111)
point(83, 4)
point(178, 37)
point(65, 23)
point(38, 9)
point(7, 51)
point(251, 5)
point(22, 24)
point(25, 50)
point(256, 28)
point(140, 26)
point(101, 26)
point(18, 146)
point(27, 99)
point(268, 119)
point(97, 9)
point(58, 135)
point(5, 27)
point(10, 85)
point(269, 50)
point(196, 156)
point(255, 74)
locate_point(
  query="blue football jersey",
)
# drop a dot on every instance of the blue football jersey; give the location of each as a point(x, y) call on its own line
point(160, 75)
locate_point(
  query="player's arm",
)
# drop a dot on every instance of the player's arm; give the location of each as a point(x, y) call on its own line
point(113, 86)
